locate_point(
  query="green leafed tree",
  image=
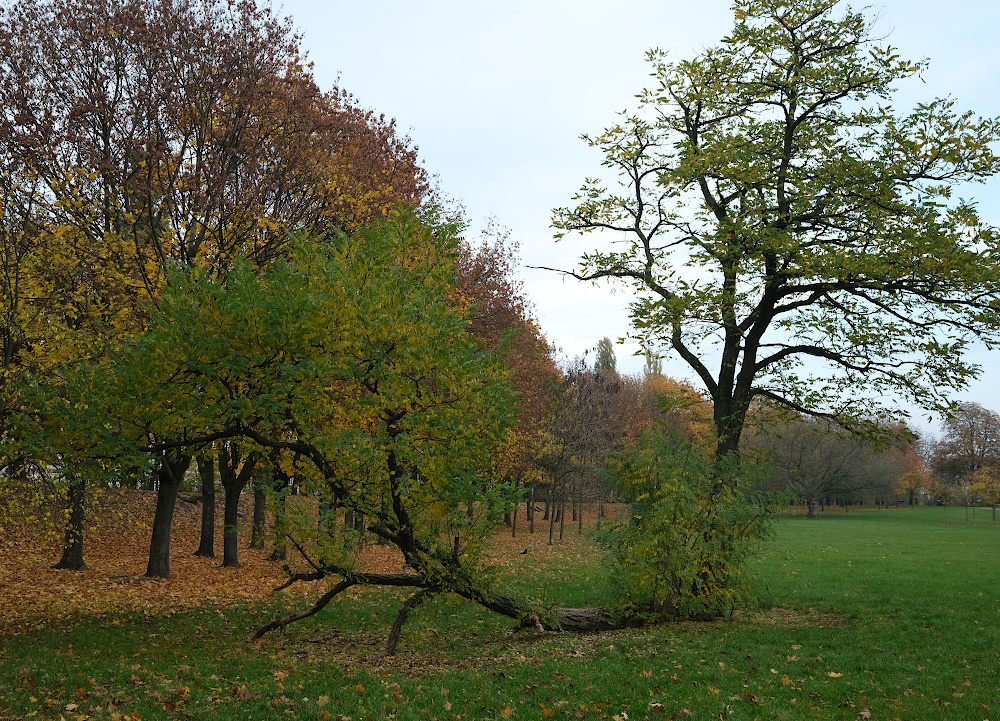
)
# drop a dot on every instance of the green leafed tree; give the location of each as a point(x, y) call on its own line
point(350, 366)
point(790, 235)
point(605, 360)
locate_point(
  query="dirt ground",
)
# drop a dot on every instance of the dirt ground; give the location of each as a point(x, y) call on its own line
point(116, 550)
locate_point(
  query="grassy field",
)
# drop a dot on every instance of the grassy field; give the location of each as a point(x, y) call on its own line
point(876, 614)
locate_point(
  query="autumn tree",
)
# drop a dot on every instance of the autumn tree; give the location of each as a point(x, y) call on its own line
point(788, 234)
point(502, 319)
point(816, 460)
point(970, 440)
point(146, 133)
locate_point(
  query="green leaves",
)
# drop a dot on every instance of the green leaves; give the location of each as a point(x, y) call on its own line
point(778, 213)
point(692, 525)
point(347, 364)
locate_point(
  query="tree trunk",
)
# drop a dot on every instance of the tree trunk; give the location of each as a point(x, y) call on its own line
point(513, 515)
point(562, 514)
point(233, 483)
point(359, 526)
point(279, 484)
point(531, 510)
point(72, 558)
point(168, 479)
point(257, 530)
point(206, 470)
point(551, 516)
point(813, 506)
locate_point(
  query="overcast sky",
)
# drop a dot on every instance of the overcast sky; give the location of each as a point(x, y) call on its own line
point(496, 96)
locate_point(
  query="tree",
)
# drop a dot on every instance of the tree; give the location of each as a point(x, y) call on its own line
point(143, 133)
point(790, 236)
point(817, 460)
point(605, 360)
point(970, 440)
point(653, 365)
point(501, 318)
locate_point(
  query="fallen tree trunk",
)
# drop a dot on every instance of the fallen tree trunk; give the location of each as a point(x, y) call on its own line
point(575, 620)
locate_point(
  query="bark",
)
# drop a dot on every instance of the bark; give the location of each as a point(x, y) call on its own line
point(326, 516)
point(168, 476)
point(397, 627)
point(206, 470)
point(576, 620)
point(551, 516)
point(531, 510)
point(279, 484)
point(72, 558)
point(374, 579)
point(257, 530)
point(233, 483)
point(813, 505)
point(562, 514)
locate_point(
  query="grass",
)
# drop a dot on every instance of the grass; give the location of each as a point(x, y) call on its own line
point(882, 615)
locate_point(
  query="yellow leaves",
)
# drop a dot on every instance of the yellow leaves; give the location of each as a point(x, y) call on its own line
point(360, 688)
point(506, 712)
point(834, 674)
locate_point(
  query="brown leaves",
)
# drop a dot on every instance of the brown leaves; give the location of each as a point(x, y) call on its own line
point(117, 556)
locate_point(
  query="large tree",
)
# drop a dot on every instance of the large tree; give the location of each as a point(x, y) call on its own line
point(137, 134)
point(788, 234)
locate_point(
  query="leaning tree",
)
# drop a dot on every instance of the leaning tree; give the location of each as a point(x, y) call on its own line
point(788, 234)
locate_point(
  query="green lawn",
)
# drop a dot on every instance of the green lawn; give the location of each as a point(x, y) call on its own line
point(878, 615)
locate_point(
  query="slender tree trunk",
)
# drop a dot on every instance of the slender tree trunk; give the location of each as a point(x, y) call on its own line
point(230, 529)
point(326, 516)
point(280, 482)
point(531, 510)
point(359, 526)
point(72, 557)
point(257, 530)
point(168, 475)
point(551, 516)
point(513, 518)
point(206, 470)
point(579, 528)
point(233, 483)
point(562, 514)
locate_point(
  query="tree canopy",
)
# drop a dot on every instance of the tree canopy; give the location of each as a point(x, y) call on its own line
point(790, 235)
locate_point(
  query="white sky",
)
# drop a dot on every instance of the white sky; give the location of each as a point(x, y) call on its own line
point(497, 94)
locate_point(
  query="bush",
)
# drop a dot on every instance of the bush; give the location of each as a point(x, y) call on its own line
point(693, 524)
